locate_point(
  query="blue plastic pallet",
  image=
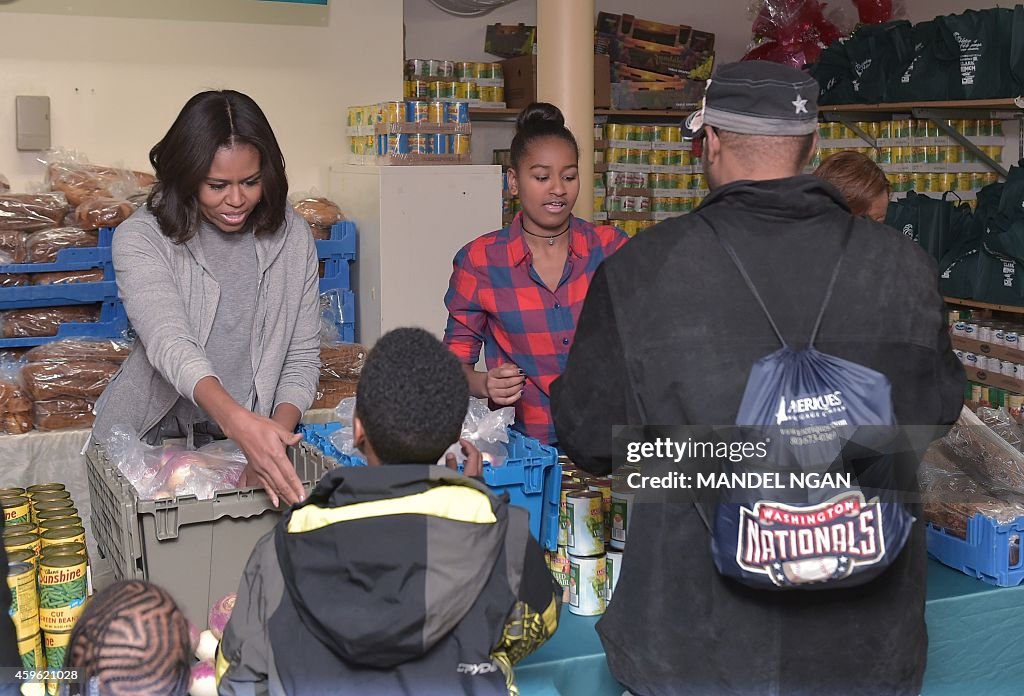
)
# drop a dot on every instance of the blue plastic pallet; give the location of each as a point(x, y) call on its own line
point(987, 551)
point(531, 476)
point(337, 254)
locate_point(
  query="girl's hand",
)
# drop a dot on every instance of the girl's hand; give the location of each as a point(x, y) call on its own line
point(474, 460)
point(505, 384)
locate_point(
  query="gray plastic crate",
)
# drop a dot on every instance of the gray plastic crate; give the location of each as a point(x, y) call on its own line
point(195, 549)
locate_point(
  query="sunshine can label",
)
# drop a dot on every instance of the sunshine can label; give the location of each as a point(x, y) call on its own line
point(55, 647)
point(17, 510)
point(24, 609)
point(65, 535)
point(62, 592)
point(30, 650)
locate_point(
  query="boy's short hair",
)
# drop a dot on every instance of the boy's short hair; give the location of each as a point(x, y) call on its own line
point(412, 397)
point(132, 639)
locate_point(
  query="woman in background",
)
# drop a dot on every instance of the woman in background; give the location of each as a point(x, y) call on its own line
point(861, 181)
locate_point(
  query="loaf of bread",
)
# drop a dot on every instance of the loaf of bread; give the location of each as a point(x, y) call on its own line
point(77, 378)
point(91, 275)
point(28, 212)
point(82, 182)
point(319, 212)
point(44, 321)
point(341, 361)
point(63, 414)
point(13, 280)
point(12, 245)
point(330, 392)
point(102, 212)
point(15, 409)
point(321, 234)
point(43, 246)
point(110, 350)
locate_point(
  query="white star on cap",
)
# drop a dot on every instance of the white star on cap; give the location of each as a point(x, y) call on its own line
point(800, 103)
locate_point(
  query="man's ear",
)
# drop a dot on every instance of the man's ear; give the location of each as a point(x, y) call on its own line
point(358, 434)
point(712, 144)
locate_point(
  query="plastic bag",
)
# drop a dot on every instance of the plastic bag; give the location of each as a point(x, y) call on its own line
point(985, 456)
point(43, 246)
point(792, 32)
point(92, 275)
point(103, 212)
point(28, 212)
point(30, 323)
point(67, 378)
point(70, 173)
point(331, 391)
point(63, 414)
point(12, 246)
point(167, 471)
point(341, 360)
point(332, 316)
point(318, 211)
point(999, 420)
point(342, 438)
point(487, 430)
point(5, 185)
point(109, 349)
point(15, 404)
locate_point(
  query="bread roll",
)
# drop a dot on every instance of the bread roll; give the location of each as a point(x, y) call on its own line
point(62, 414)
point(12, 245)
point(102, 212)
point(319, 212)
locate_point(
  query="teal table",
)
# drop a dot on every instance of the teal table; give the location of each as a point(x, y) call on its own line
point(972, 631)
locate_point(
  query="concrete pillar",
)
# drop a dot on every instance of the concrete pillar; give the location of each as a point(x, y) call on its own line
point(565, 77)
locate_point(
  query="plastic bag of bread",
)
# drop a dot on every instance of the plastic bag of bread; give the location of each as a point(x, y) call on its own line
point(5, 185)
point(985, 456)
point(329, 393)
point(15, 404)
point(318, 211)
point(108, 349)
point(90, 275)
point(13, 280)
point(44, 321)
point(341, 360)
point(77, 378)
point(28, 212)
point(12, 246)
point(102, 212)
point(43, 246)
point(72, 175)
point(63, 414)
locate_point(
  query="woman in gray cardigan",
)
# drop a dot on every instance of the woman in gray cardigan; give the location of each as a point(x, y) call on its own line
point(218, 276)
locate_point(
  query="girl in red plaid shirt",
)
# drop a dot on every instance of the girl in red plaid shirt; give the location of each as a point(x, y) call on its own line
point(518, 291)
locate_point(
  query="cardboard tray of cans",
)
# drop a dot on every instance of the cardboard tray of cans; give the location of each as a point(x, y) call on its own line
point(422, 127)
point(415, 158)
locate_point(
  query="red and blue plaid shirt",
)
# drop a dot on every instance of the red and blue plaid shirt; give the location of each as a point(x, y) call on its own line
point(496, 299)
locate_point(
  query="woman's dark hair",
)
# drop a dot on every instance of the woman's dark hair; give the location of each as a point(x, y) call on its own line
point(539, 120)
point(182, 159)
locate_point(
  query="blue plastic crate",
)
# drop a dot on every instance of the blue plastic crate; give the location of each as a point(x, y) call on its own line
point(113, 323)
point(337, 254)
point(347, 325)
point(991, 552)
point(531, 476)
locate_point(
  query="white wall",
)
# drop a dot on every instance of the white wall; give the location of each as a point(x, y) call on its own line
point(116, 84)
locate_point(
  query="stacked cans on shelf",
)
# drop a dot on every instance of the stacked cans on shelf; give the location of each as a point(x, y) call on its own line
point(47, 573)
point(593, 524)
point(1006, 335)
point(478, 84)
point(429, 131)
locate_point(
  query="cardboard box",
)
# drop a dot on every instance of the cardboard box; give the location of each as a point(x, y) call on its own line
point(663, 60)
point(521, 81)
point(508, 41)
point(627, 26)
point(684, 97)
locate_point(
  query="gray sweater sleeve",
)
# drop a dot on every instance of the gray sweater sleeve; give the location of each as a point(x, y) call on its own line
point(145, 281)
point(301, 370)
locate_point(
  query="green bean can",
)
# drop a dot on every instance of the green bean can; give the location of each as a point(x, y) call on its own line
point(58, 513)
point(62, 590)
point(31, 652)
point(47, 505)
point(59, 523)
point(14, 529)
point(11, 492)
point(65, 535)
point(55, 647)
point(22, 541)
point(16, 510)
point(75, 548)
point(23, 556)
point(24, 609)
point(45, 488)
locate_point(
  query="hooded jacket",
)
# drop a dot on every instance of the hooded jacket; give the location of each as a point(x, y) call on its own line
point(670, 327)
point(390, 580)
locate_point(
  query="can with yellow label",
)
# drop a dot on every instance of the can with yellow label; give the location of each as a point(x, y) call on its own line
point(24, 611)
point(58, 513)
point(22, 541)
point(23, 556)
point(47, 505)
point(12, 492)
point(17, 510)
point(964, 181)
point(55, 647)
point(461, 144)
point(24, 528)
point(66, 535)
point(62, 592)
point(31, 652)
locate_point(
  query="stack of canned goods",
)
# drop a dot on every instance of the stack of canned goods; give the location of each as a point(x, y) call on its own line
point(48, 572)
point(631, 227)
point(993, 397)
point(446, 79)
point(392, 144)
point(648, 134)
point(593, 520)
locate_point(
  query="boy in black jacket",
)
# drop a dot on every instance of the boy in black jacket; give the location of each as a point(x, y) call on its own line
point(401, 579)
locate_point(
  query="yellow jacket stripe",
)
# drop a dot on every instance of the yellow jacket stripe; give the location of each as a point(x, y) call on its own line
point(451, 502)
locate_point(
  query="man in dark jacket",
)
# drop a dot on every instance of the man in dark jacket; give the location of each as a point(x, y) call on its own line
point(401, 579)
point(668, 335)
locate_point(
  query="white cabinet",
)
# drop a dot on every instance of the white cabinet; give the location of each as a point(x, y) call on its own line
point(412, 221)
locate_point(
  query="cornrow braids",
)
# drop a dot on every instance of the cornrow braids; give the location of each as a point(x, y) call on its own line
point(132, 639)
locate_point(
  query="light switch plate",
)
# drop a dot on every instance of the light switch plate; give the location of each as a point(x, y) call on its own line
point(33, 122)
